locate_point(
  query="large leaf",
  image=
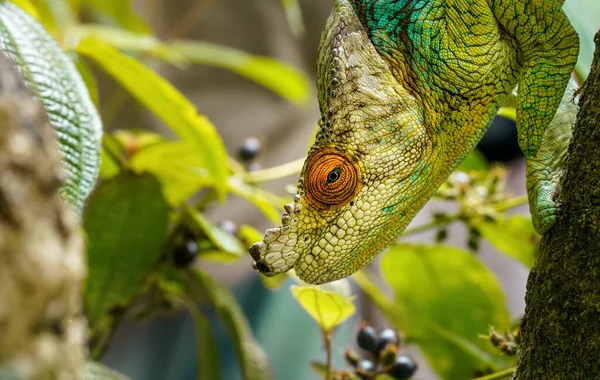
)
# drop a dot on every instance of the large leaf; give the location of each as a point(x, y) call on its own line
point(254, 362)
point(126, 224)
point(122, 13)
point(279, 77)
point(166, 103)
point(446, 299)
point(98, 371)
point(56, 81)
point(274, 75)
point(513, 236)
point(328, 308)
point(179, 166)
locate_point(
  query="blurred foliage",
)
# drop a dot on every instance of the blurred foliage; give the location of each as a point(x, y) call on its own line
point(154, 191)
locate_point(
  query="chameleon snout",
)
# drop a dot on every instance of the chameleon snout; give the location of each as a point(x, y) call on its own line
point(276, 253)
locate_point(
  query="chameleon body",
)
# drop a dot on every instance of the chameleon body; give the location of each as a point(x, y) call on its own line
point(406, 90)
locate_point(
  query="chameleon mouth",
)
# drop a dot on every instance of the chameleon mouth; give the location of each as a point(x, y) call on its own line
point(276, 253)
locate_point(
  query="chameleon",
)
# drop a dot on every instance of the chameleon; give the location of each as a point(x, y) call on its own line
point(406, 89)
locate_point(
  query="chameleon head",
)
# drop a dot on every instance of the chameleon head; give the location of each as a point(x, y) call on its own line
point(366, 175)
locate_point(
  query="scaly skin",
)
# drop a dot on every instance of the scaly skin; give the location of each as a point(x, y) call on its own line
point(406, 90)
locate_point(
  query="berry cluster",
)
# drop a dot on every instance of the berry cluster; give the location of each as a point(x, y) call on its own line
point(507, 343)
point(384, 355)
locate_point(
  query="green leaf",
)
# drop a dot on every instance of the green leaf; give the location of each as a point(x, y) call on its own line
point(126, 224)
point(57, 13)
point(28, 7)
point(55, 80)
point(121, 11)
point(179, 166)
point(98, 371)
point(280, 78)
point(220, 238)
point(293, 13)
point(125, 40)
point(327, 308)
point(88, 79)
point(260, 198)
point(166, 103)
point(253, 360)
point(444, 299)
point(513, 236)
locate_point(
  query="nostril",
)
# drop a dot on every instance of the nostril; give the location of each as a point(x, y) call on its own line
point(306, 238)
point(262, 267)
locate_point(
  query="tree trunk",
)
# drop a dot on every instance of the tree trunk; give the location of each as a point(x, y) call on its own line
point(42, 331)
point(561, 326)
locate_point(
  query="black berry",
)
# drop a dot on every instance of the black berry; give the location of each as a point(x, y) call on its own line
point(404, 367)
point(365, 368)
point(229, 226)
point(185, 253)
point(249, 149)
point(387, 337)
point(367, 338)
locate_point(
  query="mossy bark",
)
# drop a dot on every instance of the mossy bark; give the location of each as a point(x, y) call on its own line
point(42, 330)
point(561, 326)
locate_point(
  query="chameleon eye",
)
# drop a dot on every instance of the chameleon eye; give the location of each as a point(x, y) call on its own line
point(334, 175)
point(332, 179)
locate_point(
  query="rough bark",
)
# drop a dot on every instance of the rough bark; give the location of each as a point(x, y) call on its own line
point(561, 326)
point(42, 330)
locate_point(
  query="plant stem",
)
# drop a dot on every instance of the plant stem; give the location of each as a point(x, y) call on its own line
point(498, 375)
point(429, 225)
point(327, 341)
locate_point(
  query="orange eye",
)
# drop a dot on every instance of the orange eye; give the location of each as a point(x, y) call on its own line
point(332, 179)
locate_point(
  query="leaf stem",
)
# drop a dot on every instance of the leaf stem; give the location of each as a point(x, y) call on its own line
point(511, 202)
point(276, 172)
point(498, 375)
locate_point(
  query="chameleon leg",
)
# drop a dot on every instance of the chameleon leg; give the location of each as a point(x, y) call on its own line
point(545, 168)
point(548, 47)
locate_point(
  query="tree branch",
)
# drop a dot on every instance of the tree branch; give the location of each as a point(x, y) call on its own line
point(42, 330)
point(561, 326)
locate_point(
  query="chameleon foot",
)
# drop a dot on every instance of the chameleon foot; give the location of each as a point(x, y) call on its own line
point(544, 215)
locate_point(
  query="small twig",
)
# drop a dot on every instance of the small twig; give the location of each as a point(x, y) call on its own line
point(498, 375)
point(511, 202)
